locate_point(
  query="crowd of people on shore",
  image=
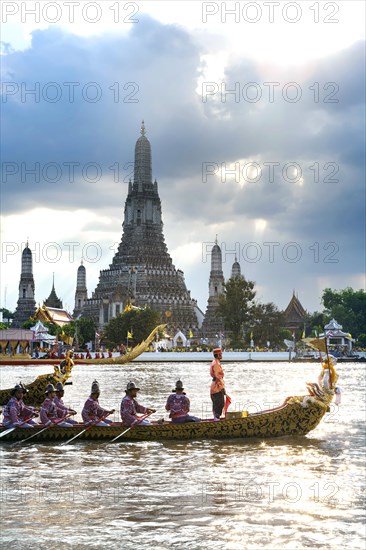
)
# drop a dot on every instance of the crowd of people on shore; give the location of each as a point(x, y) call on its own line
point(53, 410)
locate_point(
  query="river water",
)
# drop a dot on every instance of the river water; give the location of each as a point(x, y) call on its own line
point(285, 493)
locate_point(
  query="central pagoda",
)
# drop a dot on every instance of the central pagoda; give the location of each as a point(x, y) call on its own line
point(142, 272)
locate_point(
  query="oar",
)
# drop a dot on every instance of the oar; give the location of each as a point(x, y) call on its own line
point(9, 430)
point(86, 429)
point(46, 428)
point(130, 428)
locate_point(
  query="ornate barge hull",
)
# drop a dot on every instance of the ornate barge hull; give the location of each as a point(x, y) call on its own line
point(295, 417)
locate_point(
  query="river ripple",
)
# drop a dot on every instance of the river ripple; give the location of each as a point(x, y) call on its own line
point(285, 493)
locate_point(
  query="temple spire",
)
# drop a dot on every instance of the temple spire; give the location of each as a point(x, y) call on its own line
point(142, 175)
point(26, 305)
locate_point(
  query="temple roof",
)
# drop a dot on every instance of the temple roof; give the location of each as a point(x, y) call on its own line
point(295, 310)
point(53, 315)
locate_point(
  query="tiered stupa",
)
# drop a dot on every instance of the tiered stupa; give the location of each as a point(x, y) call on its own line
point(142, 271)
point(26, 305)
point(81, 293)
point(212, 326)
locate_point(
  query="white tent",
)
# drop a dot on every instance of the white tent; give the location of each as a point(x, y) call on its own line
point(41, 335)
point(180, 336)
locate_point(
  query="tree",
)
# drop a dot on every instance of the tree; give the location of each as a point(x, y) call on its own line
point(85, 327)
point(348, 307)
point(316, 323)
point(7, 315)
point(236, 306)
point(267, 324)
point(140, 322)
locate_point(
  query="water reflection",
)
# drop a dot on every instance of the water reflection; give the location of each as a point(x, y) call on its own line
point(288, 492)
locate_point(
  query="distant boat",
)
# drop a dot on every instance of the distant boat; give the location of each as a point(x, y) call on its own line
point(13, 360)
point(62, 371)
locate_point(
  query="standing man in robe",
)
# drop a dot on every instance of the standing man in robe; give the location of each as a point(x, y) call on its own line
point(217, 389)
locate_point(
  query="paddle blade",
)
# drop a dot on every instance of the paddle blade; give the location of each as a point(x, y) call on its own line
point(75, 437)
point(8, 431)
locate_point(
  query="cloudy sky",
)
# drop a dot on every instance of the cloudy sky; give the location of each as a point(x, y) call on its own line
point(255, 113)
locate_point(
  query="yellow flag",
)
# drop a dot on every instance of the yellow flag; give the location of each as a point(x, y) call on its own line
point(129, 335)
point(190, 334)
point(318, 343)
point(303, 334)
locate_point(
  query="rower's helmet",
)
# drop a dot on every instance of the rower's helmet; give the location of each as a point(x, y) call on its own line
point(50, 388)
point(131, 386)
point(178, 386)
point(18, 387)
point(95, 387)
point(59, 386)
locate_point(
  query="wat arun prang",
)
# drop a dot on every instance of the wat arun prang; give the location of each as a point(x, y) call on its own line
point(142, 271)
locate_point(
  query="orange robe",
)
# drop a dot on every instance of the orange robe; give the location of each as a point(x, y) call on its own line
point(217, 372)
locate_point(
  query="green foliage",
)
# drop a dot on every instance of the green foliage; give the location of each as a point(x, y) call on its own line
point(361, 340)
point(6, 314)
point(316, 322)
point(140, 321)
point(236, 306)
point(348, 307)
point(85, 329)
point(28, 323)
point(284, 334)
point(82, 330)
point(267, 324)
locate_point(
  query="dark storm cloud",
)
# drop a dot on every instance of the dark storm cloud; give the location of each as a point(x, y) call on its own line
point(160, 66)
point(151, 70)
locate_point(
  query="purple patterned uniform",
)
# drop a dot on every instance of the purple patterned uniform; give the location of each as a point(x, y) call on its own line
point(178, 405)
point(62, 410)
point(49, 411)
point(15, 411)
point(92, 410)
point(129, 409)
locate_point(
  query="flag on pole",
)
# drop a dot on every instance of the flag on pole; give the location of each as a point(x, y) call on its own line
point(227, 404)
point(318, 343)
point(97, 335)
point(190, 334)
point(129, 334)
point(303, 334)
